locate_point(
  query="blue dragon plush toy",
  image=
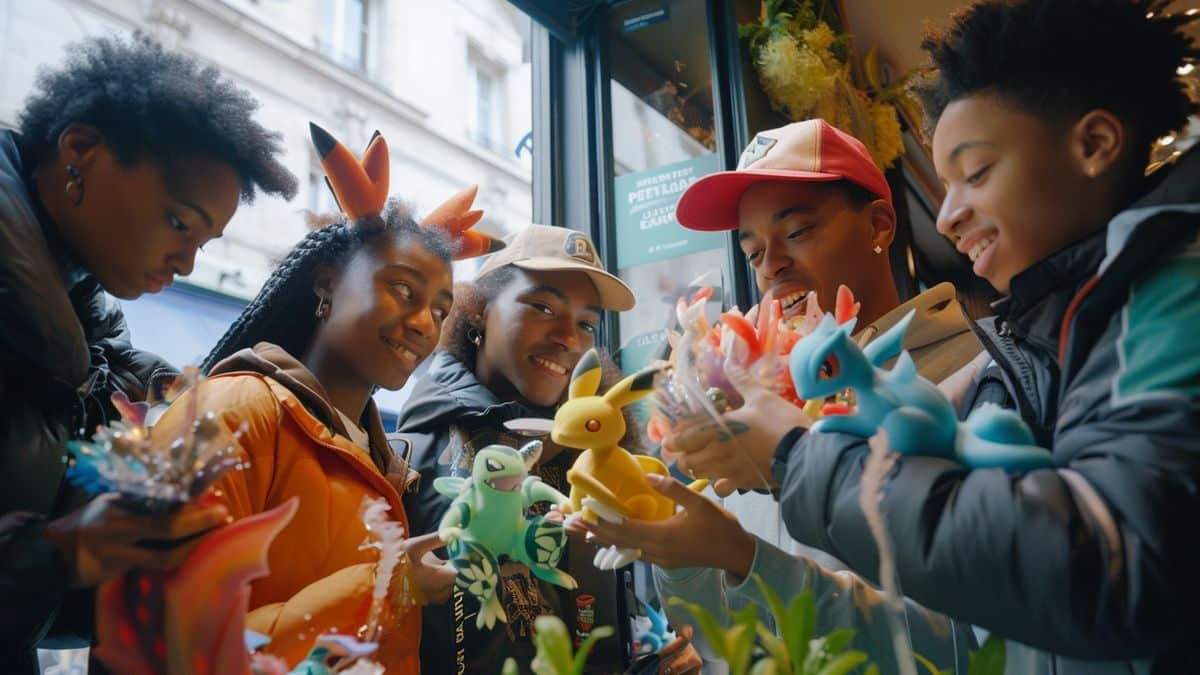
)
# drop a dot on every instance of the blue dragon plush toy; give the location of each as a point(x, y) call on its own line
point(916, 416)
point(486, 524)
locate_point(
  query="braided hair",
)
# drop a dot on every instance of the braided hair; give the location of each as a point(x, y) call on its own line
point(282, 312)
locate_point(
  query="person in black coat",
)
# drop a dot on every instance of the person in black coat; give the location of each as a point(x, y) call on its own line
point(128, 159)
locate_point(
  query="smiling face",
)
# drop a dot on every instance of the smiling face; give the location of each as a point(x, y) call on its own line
point(535, 330)
point(139, 225)
point(801, 237)
point(386, 309)
point(1017, 187)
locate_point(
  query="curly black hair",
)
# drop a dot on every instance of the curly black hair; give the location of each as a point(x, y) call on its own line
point(148, 101)
point(282, 312)
point(1062, 58)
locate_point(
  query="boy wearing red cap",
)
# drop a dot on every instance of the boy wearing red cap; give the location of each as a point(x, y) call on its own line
point(813, 212)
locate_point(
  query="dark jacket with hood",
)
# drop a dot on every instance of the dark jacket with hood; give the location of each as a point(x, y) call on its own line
point(64, 350)
point(449, 416)
point(1089, 566)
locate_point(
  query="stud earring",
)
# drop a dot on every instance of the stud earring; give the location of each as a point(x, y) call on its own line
point(475, 336)
point(878, 250)
point(322, 308)
point(74, 187)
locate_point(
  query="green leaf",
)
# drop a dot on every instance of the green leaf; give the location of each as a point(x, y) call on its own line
point(510, 667)
point(928, 665)
point(741, 638)
point(768, 666)
point(837, 641)
point(844, 663)
point(776, 648)
point(989, 659)
point(553, 643)
point(585, 648)
point(872, 670)
point(709, 626)
point(801, 622)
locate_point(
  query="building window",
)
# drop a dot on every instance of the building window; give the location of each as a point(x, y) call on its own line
point(320, 198)
point(487, 113)
point(346, 32)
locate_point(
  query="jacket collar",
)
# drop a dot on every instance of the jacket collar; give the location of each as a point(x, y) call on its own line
point(272, 361)
point(37, 308)
point(450, 392)
point(1038, 297)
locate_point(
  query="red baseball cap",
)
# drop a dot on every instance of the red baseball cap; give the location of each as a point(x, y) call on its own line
point(808, 151)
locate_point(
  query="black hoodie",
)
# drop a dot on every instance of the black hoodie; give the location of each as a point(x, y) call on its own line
point(449, 416)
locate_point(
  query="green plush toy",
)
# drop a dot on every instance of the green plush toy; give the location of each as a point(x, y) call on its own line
point(486, 524)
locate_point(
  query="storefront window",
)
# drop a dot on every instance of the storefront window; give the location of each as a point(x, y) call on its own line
point(664, 139)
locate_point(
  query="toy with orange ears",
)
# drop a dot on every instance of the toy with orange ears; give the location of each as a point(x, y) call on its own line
point(607, 480)
point(360, 187)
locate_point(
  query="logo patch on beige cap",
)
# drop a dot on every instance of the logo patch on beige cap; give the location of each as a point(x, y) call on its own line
point(580, 247)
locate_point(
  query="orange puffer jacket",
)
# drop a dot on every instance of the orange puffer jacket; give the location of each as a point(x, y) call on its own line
point(320, 580)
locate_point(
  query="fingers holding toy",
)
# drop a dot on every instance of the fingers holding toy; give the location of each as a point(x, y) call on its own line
point(737, 452)
point(702, 534)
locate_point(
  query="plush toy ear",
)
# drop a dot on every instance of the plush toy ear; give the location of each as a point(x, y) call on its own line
point(456, 217)
point(360, 188)
point(585, 380)
point(632, 388)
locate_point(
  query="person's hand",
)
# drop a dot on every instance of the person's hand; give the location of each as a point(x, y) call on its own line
point(433, 577)
point(102, 540)
point(737, 452)
point(701, 535)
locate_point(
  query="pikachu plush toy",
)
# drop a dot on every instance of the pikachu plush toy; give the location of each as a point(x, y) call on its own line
point(606, 480)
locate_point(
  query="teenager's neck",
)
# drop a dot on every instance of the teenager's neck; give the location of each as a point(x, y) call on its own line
point(346, 392)
point(877, 304)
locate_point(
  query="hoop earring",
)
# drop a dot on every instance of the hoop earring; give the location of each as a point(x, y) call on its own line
point(475, 336)
point(323, 305)
point(74, 183)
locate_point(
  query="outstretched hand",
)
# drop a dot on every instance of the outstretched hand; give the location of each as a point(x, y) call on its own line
point(701, 535)
point(103, 539)
point(433, 577)
point(736, 453)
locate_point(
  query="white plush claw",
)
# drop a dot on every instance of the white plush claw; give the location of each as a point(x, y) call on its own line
point(615, 557)
point(611, 515)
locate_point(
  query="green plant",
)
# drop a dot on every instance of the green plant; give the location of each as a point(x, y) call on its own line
point(555, 656)
point(751, 648)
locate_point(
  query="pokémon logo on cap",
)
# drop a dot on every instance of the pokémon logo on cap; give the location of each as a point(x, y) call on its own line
point(756, 150)
point(579, 247)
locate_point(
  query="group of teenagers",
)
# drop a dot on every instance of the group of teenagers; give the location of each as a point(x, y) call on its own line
point(129, 158)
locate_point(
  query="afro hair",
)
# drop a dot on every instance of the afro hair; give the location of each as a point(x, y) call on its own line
point(147, 101)
point(1063, 58)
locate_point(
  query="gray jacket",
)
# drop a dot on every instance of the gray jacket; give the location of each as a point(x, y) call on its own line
point(941, 342)
point(1089, 566)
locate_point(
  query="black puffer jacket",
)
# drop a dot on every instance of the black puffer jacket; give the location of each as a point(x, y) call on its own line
point(63, 352)
point(449, 416)
point(1090, 566)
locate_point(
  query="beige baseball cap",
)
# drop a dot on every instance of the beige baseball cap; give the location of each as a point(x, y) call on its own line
point(545, 248)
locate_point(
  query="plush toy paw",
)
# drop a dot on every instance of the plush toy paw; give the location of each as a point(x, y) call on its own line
point(611, 515)
point(615, 557)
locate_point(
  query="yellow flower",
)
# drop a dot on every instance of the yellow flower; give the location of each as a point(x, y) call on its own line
point(888, 142)
point(794, 78)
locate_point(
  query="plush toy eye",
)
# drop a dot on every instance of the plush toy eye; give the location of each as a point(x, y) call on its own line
point(592, 425)
point(830, 368)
